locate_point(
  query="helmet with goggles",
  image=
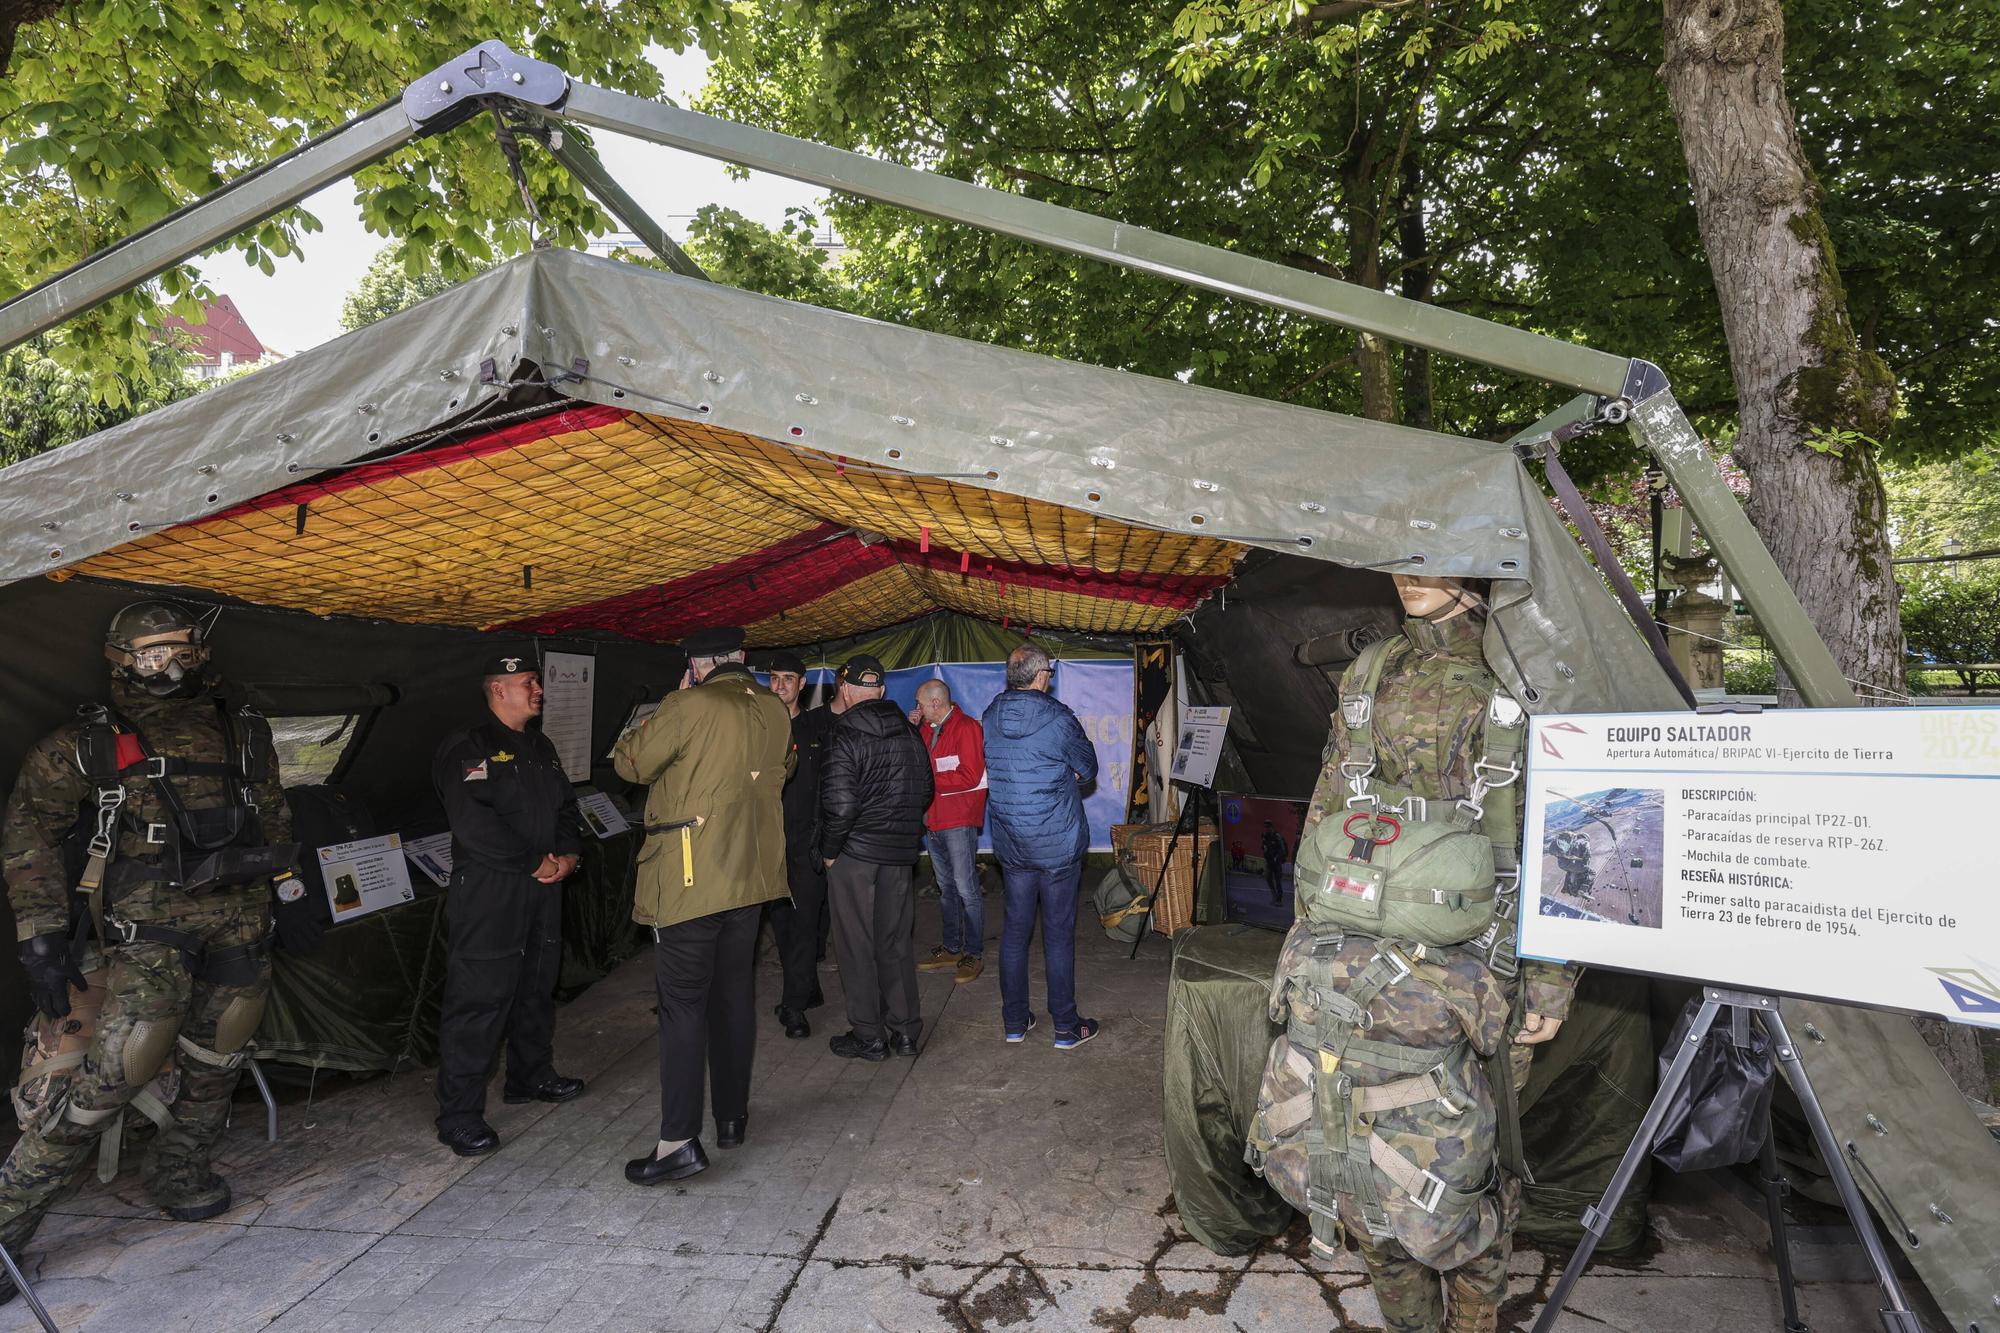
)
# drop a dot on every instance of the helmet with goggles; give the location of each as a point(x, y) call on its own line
point(158, 646)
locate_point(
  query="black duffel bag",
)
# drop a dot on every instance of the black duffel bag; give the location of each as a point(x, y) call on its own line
point(1720, 1115)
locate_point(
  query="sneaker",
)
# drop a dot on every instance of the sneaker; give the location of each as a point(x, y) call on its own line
point(1085, 1029)
point(1022, 1035)
point(851, 1045)
point(969, 966)
point(939, 959)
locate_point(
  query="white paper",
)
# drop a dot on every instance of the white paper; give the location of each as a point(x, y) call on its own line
point(432, 855)
point(947, 763)
point(601, 814)
point(1843, 854)
point(569, 690)
point(365, 876)
point(1202, 731)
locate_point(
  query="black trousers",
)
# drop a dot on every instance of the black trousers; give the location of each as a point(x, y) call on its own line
point(703, 971)
point(799, 927)
point(504, 934)
point(873, 910)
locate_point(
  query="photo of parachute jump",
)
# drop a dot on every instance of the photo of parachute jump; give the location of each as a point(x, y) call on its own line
point(1601, 855)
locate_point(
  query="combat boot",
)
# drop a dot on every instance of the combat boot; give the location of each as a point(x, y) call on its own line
point(187, 1193)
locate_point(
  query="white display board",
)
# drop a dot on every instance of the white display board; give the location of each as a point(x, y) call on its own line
point(1199, 748)
point(365, 876)
point(432, 855)
point(601, 814)
point(1843, 854)
point(569, 696)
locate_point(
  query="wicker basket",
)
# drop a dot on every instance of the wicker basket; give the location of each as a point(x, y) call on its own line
point(1142, 848)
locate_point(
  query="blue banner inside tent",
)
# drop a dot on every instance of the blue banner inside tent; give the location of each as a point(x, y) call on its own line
point(1100, 693)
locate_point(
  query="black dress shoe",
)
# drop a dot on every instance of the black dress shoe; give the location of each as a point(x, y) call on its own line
point(474, 1140)
point(795, 1023)
point(729, 1133)
point(902, 1045)
point(554, 1088)
point(686, 1160)
point(850, 1046)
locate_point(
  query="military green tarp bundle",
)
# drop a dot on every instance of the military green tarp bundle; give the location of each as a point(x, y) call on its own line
point(1580, 1110)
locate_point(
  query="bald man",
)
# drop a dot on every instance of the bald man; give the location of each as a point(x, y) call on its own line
point(957, 746)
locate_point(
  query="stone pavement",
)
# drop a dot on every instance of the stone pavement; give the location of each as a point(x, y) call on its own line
point(981, 1186)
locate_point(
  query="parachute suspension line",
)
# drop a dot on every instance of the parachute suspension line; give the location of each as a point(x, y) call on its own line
point(510, 148)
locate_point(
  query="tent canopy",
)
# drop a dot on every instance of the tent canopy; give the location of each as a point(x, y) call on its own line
point(735, 457)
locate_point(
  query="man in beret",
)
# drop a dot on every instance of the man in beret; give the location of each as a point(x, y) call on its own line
point(798, 923)
point(515, 836)
point(715, 755)
point(874, 790)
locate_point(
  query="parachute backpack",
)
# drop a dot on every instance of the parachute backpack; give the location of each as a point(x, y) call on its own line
point(1398, 866)
point(1381, 1106)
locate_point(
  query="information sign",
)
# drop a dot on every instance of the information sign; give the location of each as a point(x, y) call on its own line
point(365, 876)
point(432, 855)
point(1842, 854)
point(569, 693)
point(1200, 746)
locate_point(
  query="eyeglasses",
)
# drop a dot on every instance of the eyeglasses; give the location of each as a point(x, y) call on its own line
point(152, 660)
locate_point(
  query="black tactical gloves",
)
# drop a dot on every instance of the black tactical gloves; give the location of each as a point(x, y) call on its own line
point(51, 973)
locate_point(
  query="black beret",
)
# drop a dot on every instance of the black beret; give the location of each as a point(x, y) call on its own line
point(787, 661)
point(511, 664)
point(861, 669)
point(716, 642)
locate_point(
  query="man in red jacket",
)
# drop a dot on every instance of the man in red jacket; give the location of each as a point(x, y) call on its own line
point(958, 763)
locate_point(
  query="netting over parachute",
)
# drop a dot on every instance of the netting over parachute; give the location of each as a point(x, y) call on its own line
point(598, 518)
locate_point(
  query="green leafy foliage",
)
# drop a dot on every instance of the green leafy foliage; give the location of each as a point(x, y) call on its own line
point(1955, 620)
point(113, 113)
point(44, 404)
point(782, 262)
point(388, 287)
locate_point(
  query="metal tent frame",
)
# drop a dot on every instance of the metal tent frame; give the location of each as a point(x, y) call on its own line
point(1879, 1083)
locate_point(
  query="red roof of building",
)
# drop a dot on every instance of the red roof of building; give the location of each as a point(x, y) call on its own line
point(224, 330)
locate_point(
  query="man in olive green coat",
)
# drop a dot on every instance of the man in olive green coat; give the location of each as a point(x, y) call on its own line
point(715, 756)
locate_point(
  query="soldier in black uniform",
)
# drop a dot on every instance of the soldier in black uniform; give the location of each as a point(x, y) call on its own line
point(799, 924)
point(515, 836)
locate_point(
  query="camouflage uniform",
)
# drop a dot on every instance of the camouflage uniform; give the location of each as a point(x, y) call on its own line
point(155, 1006)
point(1429, 710)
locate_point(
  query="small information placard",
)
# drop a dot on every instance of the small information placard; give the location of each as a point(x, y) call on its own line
point(432, 855)
point(569, 694)
point(1843, 854)
point(365, 876)
point(1200, 747)
point(600, 813)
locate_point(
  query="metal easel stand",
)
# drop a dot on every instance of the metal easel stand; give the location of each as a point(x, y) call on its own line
point(27, 1292)
point(1896, 1318)
point(1188, 822)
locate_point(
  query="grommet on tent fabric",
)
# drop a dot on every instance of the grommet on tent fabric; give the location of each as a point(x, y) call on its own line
point(798, 430)
point(1512, 532)
point(1312, 506)
point(1098, 460)
point(1510, 565)
point(1092, 496)
point(1000, 440)
point(895, 453)
point(807, 399)
point(711, 377)
point(626, 361)
point(448, 374)
point(1201, 485)
point(1422, 524)
point(56, 554)
point(903, 421)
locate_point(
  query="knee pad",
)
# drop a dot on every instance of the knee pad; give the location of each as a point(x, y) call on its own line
point(151, 1042)
point(239, 1021)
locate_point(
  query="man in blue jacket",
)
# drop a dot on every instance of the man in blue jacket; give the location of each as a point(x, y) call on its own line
point(1037, 763)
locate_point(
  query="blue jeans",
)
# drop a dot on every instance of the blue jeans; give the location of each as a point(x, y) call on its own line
point(1050, 893)
point(955, 858)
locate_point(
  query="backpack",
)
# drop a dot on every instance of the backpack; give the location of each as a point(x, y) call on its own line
point(1398, 866)
point(1379, 1109)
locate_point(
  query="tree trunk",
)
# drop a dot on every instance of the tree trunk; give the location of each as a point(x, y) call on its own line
point(1810, 399)
point(1372, 354)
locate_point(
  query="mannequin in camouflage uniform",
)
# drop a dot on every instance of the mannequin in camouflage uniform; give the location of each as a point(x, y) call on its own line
point(169, 957)
point(1428, 709)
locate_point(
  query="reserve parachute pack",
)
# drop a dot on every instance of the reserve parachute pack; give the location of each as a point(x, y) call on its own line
point(1398, 866)
point(1387, 1104)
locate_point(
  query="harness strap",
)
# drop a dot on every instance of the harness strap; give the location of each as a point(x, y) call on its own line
point(1429, 1192)
point(202, 1053)
point(55, 1064)
point(1425, 1087)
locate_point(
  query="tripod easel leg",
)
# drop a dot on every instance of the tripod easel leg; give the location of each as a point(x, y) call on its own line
point(1598, 1216)
point(27, 1292)
point(1898, 1317)
point(1775, 1190)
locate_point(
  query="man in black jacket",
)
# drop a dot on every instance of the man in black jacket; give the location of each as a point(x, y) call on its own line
point(874, 790)
point(515, 837)
point(797, 921)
